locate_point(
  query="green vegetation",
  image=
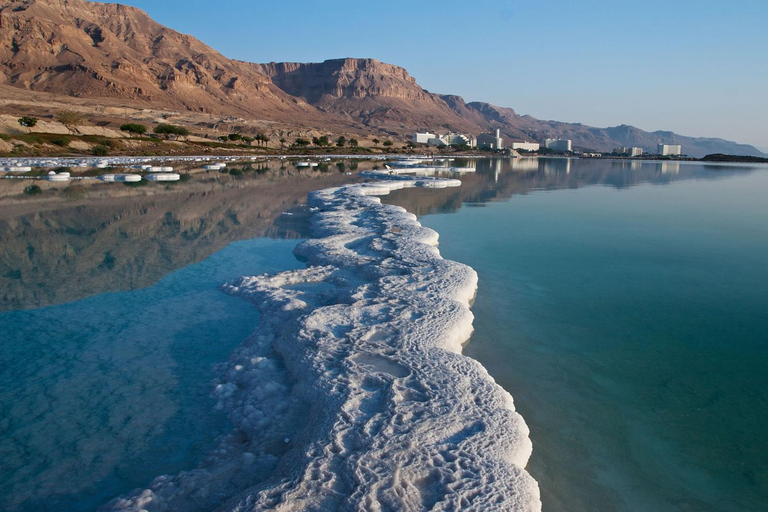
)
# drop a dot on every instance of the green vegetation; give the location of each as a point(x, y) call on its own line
point(60, 141)
point(234, 137)
point(33, 190)
point(28, 122)
point(168, 130)
point(321, 141)
point(100, 150)
point(301, 142)
point(341, 141)
point(134, 128)
point(388, 143)
point(720, 157)
point(353, 143)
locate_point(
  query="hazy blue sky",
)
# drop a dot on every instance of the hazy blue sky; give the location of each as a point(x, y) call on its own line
point(697, 67)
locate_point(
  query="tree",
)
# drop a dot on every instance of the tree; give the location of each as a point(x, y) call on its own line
point(341, 141)
point(302, 142)
point(71, 120)
point(248, 139)
point(28, 122)
point(234, 136)
point(166, 130)
point(282, 142)
point(263, 139)
point(181, 132)
point(353, 143)
point(376, 142)
point(134, 128)
point(321, 141)
point(388, 143)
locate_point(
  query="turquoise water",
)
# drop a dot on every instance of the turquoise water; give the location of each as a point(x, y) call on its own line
point(101, 395)
point(624, 305)
point(631, 326)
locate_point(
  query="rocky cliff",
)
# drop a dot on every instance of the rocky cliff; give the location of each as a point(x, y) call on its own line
point(89, 49)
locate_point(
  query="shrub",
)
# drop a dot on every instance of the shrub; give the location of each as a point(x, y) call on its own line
point(33, 190)
point(134, 128)
point(100, 150)
point(27, 122)
point(61, 141)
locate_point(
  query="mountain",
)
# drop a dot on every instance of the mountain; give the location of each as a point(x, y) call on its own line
point(89, 49)
point(112, 52)
point(371, 93)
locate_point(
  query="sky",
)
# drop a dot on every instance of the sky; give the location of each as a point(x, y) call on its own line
point(695, 67)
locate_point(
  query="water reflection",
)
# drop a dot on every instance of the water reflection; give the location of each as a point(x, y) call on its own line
point(501, 178)
point(74, 241)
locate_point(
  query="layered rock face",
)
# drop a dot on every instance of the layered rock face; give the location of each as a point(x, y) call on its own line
point(90, 49)
point(373, 93)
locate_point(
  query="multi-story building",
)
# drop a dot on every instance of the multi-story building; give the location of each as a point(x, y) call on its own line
point(633, 151)
point(669, 150)
point(451, 139)
point(526, 146)
point(422, 138)
point(490, 140)
point(563, 145)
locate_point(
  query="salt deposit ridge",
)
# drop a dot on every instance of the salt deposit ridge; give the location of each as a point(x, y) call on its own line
point(382, 411)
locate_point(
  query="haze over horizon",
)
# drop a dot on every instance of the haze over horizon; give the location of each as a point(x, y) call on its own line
point(694, 68)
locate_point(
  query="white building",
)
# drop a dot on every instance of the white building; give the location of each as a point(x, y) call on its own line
point(450, 139)
point(669, 150)
point(633, 151)
point(490, 140)
point(422, 138)
point(563, 145)
point(526, 146)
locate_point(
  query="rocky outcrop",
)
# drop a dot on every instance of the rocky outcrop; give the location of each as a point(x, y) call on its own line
point(89, 49)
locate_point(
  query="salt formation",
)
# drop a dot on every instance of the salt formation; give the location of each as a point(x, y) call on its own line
point(384, 412)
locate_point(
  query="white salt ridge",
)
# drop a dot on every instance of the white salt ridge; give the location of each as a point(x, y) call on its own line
point(372, 332)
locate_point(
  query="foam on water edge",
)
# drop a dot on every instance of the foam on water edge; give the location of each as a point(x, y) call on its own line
point(384, 413)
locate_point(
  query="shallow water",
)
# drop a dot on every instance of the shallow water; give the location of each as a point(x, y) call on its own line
point(631, 326)
point(101, 395)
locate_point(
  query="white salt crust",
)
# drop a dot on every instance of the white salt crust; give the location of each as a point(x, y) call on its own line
point(384, 413)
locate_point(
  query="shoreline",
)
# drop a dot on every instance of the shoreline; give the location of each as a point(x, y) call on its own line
point(372, 331)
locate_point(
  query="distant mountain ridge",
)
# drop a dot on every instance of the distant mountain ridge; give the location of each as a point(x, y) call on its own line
point(96, 50)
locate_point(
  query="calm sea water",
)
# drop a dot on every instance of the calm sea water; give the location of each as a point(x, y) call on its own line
point(624, 305)
point(631, 326)
point(101, 395)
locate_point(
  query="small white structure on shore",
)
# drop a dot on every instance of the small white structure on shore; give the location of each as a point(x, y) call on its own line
point(669, 150)
point(170, 176)
point(62, 176)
